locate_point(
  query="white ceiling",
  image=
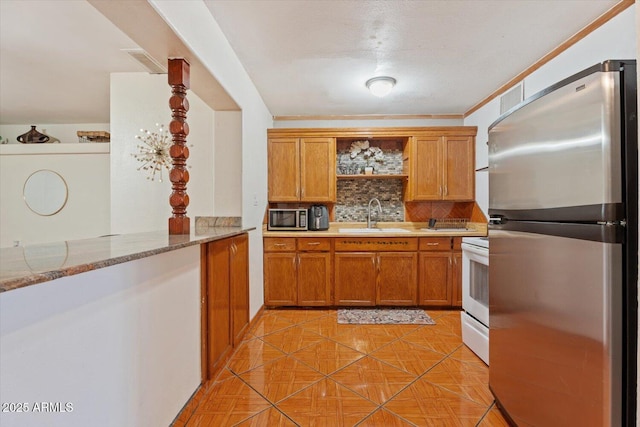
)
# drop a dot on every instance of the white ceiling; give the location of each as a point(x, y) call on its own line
point(312, 57)
point(55, 61)
point(306, 57)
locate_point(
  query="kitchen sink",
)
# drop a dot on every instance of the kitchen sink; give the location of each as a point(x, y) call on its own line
point(372, 230)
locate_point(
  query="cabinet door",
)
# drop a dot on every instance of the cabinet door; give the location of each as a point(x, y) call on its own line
point(456, 280)
point(435, 278)
point(280, 279)
point(459, 182)
point(318, 169)
point(239, 287)
point(355, 278)
point(218, 304)
point(426, 174)
point(397, 278)
point(283, 168)
point(314, 279)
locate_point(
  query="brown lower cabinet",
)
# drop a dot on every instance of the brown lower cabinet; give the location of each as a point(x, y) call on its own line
point(440, 272)
point(225, 299)
point(358, 271)
point(376, 278)
point(297, 272)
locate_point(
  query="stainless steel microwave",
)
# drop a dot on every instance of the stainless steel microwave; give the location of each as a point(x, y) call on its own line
point(287, 219)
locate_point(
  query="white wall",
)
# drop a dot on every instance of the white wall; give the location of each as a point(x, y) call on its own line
point(121, 344)
point(617, 39)
point(193, 23)
point(139, 101)
point(86, 213)
point(227, 190)
point(63, 133)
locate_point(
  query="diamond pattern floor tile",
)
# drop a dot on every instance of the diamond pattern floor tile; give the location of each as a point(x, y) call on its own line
point(300, 315)
point(292, 339)
point(434, 340)
point(227, 403)
point(301, 368)
point(493, 418)
point(464, 354)
point(384, 418)
point(408, 357)
point(281, 378)
point(364, 339)
point(373, 379)
point(425, 404)
point(326, 403)
point(271, 418)
point(465, 379)
point(252, 354)
point(327, 356)
point(269, 324)
point(328, 327)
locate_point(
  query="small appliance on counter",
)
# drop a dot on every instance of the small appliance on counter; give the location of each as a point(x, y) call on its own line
point(318, 218)
point(287, 219)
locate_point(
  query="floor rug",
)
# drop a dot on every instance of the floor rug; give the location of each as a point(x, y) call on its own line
point(394, 316)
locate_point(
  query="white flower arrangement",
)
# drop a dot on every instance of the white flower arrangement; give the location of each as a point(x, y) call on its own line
point(371, 154)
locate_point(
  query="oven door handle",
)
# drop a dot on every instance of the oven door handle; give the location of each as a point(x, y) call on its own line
point(474, 249)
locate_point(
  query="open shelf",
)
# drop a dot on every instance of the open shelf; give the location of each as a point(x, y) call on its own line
point(374, 176)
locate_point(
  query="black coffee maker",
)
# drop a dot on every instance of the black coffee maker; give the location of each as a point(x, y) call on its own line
point(318, 218)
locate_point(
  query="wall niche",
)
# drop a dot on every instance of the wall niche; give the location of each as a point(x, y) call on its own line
point(354, 190)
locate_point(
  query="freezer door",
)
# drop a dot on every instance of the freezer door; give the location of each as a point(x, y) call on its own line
point(555, 329)
point(560, 150)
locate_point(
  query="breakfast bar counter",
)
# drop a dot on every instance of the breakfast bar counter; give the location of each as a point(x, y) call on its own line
point(31, 264)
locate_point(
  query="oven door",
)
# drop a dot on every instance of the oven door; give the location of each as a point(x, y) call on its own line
point(475, 282)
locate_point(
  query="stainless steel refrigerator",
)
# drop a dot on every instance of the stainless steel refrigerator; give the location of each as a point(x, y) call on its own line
point(563, 260)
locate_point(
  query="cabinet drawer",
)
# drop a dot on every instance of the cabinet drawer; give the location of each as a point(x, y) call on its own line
point(279, 244)
point(314, 244)
point(390, 244)
point(435, 243)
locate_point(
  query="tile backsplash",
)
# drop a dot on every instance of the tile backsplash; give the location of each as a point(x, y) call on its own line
point(354, 195)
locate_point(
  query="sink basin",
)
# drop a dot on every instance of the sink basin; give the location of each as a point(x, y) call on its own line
point(372, 230)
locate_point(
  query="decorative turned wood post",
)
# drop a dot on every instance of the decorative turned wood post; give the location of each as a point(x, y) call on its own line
point(179, 175)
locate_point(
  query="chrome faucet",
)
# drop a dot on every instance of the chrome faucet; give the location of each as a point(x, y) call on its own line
point(369, 211)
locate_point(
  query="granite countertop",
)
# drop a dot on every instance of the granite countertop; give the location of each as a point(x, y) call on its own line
point(383, 229)
point(28, 265)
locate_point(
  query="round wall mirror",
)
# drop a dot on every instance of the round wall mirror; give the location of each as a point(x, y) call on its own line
point(45, 192)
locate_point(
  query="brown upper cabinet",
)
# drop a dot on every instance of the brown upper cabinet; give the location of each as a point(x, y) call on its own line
point(443, 168)
point(439, 161)
point(302, 169)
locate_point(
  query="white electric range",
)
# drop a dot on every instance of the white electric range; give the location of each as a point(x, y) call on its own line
point(475, 295)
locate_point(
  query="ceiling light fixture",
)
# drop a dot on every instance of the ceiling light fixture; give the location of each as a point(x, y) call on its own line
point(381, 86)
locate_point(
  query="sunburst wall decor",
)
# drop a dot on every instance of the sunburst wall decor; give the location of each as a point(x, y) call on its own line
point(153, 152)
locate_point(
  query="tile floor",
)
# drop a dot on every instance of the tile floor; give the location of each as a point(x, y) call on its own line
point(301, 368)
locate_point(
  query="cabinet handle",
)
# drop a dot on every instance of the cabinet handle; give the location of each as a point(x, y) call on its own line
point(440, 190)
point(302, 192)
point(313, 243)
point(449, 260)
point(446, 190)
point(279, 245)
point(433, 244)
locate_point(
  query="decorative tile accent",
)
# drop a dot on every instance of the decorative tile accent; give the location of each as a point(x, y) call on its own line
point(391, 165)
point(353, 197)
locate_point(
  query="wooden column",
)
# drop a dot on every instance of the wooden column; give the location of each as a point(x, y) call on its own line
point(179, 175)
